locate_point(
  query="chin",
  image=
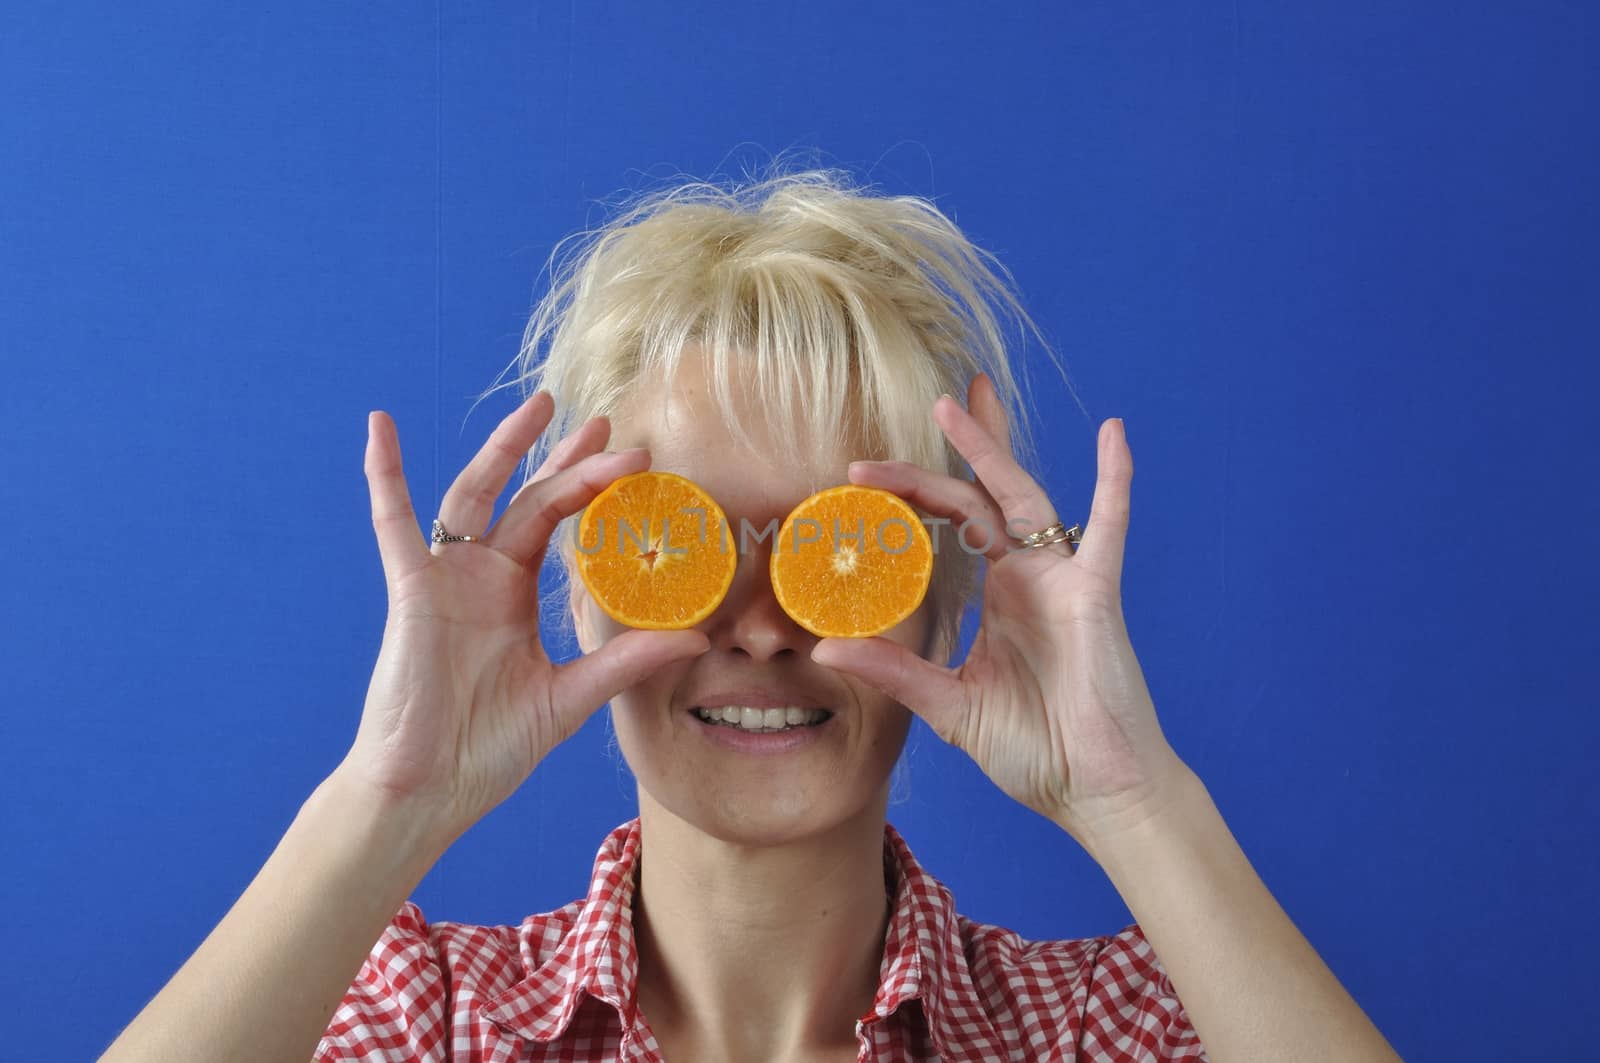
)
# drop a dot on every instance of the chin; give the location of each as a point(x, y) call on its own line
point(744, 794)
point(780, 816)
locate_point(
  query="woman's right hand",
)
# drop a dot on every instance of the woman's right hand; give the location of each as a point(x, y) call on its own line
point(463, 701)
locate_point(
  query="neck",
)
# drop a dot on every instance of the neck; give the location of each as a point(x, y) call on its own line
point(766, 951)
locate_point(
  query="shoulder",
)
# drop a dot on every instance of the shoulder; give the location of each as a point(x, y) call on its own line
point(420, 976)
point(1109, 996)
point(481, 958)
point(1117, 962)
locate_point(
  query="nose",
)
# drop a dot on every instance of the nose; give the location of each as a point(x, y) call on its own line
point(750, 620)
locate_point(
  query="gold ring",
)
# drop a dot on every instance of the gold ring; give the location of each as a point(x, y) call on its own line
point(1055, 533)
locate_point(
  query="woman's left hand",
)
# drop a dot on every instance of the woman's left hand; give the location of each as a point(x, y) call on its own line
point(1050, 701)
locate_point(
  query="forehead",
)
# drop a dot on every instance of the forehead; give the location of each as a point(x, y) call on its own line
point(687, 432)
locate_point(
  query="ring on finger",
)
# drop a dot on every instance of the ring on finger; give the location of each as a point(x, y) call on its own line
point(442, 536)
point(1049, 536)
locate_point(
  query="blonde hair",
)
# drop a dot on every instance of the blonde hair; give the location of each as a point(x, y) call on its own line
point(844, 308)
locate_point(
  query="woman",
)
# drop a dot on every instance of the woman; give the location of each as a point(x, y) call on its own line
point(764, 341)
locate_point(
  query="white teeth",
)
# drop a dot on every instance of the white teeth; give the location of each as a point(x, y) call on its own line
point(748, 718)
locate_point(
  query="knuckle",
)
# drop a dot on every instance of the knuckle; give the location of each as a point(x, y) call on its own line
point(483, 494)
point(1010, 498)
point(974, 499)
point(559, 452)
point(1112, 513)
point(983, 449)
point(499, 444)
point(546, 517)
point(902, 673)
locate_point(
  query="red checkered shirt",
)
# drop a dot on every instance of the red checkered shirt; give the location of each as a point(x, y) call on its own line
point(561, 985)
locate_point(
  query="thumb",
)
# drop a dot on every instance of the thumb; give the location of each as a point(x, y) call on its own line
point(932, 692)
point(579, 687)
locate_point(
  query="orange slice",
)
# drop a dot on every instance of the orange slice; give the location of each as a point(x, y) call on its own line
point(655, 552)
point(851, 561)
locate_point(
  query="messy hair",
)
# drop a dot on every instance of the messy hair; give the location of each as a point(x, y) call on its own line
point(847, 311)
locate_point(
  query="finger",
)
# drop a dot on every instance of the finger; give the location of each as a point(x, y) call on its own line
point(1107, 534)
point(976, 524)
point(524, 529)
point(1024, 504)
point(469, 503)
point(933, 693)
point(583, 685)
point(590, 438)
point(984, 403)
point(394, 521)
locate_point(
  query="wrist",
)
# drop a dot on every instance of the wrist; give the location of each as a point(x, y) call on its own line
point(1138, 821)
point(410, 832)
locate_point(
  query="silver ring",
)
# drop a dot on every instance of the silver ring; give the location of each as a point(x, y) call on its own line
point(1055, 533)
point(442, 536)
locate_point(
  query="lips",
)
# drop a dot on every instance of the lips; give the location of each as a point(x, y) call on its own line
point(756, 698)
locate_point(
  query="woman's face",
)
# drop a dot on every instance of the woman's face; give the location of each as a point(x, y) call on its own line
point(758, 655)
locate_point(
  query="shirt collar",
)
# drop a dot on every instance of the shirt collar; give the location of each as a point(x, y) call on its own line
point(925, 958)
point(596, 956)
point(923, 955)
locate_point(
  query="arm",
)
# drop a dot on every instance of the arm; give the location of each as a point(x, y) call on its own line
point(462, 706)
point(1252, 985)
point(1052, 704)
point(266, 982)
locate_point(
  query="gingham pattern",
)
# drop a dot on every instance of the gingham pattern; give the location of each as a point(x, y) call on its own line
point(560, 986)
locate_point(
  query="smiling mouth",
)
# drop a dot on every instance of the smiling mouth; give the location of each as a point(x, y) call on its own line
point(762, 721)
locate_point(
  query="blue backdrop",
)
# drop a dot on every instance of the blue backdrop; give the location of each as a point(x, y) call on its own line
point(1334, 263)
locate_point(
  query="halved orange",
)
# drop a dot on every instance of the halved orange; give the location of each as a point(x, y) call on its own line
point(654, 551)
point(851, 561)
